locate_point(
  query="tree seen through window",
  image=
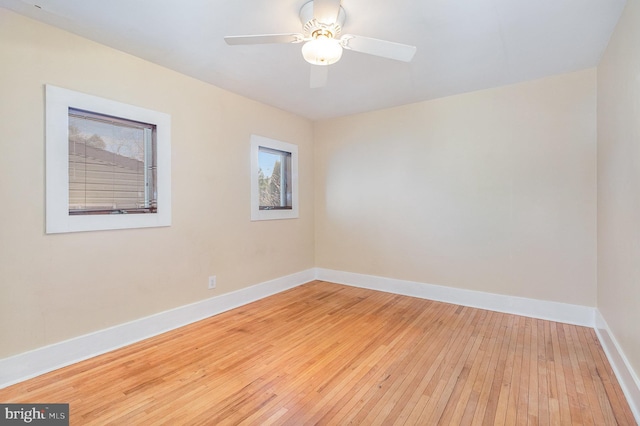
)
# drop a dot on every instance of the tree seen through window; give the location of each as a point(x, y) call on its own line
point(274, 179)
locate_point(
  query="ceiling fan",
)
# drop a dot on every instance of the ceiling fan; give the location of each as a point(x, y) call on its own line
point(322, 22)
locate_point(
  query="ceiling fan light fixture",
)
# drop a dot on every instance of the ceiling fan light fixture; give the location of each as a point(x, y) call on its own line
point(322, 50)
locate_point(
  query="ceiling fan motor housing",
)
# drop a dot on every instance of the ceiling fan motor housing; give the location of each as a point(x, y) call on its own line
point(313, 28)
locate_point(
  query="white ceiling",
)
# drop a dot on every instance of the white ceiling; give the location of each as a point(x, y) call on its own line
point(462, 45)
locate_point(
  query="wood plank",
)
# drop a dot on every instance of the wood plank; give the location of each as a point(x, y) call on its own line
point(606, 405)
point(496, 385)
point(544, 395)
point(559, 363)
point(584, 365)
point(485, 412)
point(462, 405)
point(325, 353)
point(581, 388)
point(506, 404)
point(474, 410)
point(521, 415)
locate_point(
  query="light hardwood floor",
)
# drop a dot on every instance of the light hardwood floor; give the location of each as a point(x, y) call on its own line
point(325, 353)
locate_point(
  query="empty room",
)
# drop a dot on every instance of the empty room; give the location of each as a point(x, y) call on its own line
point(331, 212)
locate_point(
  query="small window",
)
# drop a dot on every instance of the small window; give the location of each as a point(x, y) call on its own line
point(274, 179)
point(108, 164)
point(112, 165)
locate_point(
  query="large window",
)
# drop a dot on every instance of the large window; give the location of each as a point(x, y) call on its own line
point(274, 179)
point(108, 164)
point(112, 165)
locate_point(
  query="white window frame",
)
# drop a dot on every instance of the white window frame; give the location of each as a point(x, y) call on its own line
point(58, 220)
point(274, 214)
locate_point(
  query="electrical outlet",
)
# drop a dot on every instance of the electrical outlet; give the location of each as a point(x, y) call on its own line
point(212, 281)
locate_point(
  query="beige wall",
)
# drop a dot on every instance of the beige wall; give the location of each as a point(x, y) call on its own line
point(492, 191)
point(54, 287)
point(619, 184)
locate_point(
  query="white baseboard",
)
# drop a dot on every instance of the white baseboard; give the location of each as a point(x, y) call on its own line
point(624, 372)
point(42, 360)
point(542, 309)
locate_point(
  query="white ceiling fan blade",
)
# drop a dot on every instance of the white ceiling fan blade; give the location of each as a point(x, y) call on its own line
point(326, 11)
point(319, 76)
point(383, 48)
point(264, 39)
